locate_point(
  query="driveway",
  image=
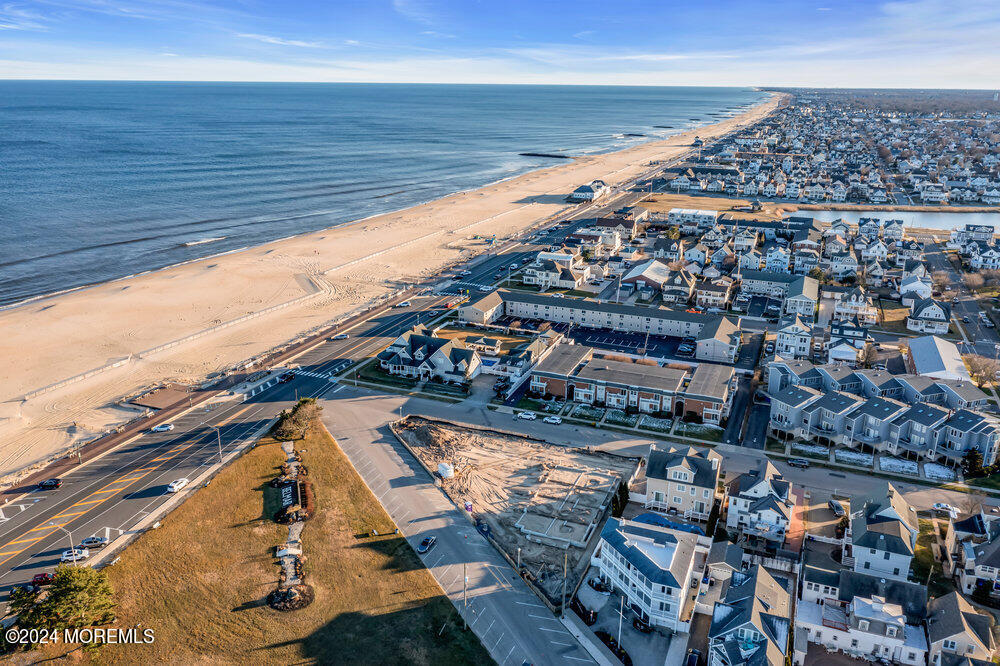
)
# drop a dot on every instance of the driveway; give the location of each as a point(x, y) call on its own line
point(818, 656)
point(734, 426)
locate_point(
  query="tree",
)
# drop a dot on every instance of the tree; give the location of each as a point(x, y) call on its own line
point(817, 274)
point(972, 464)
point(983, 369)
point(973, 281)
point(78, 597)
point(292, 423)
point(941, 280)
point(868, 355)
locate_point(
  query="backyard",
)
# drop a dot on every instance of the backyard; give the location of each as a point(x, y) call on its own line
point(893, 316)
point(201, 579)
point(926, 567)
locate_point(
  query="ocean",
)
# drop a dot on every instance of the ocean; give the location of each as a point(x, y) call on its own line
point(101, 180)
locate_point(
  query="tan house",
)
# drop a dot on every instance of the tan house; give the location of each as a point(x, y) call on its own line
point(682, 481)
point(957, 633)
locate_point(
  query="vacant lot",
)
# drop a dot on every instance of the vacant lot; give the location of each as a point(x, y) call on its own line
point(543, 500)
point(662, 203)
point(893, 316)
point(200, 580)
point(507, 342)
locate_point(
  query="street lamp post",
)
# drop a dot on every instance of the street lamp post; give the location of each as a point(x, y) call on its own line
point(218, 439)
point(68, 533)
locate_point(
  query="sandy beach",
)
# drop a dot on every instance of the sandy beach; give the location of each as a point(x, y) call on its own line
point(323, 275)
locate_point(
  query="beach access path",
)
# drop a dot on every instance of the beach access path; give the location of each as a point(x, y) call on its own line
point(193, 321)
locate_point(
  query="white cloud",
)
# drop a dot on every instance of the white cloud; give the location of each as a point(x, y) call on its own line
point(267, 39)
point(16, 17)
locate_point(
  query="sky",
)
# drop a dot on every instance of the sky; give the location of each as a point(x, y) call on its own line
point(834, 43)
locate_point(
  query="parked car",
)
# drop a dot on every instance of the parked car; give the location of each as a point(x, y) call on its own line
point(944, 507)
point(769, 348)
point(599, 586)
point(589, 617)
point(340, 336)
point(75, 555)
point(836, 507)
point(94, 542)
point(989, 324)
point(966, 319)
point(641, 625)
point(42, 579)
point(50, 484)
point(554, 420)
point(426, 544)
point(527, 416)
point(798, 462)
point(163, 427)
point(176, 486)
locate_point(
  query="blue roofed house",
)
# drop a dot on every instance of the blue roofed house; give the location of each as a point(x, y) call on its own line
point(653, 566)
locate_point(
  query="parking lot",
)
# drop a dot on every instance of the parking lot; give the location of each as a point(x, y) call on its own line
point(764, 307)
point(642, 648)
point(817, 516)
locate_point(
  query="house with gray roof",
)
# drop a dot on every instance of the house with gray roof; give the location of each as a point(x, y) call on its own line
point(682, 481)
point(928, 315)
point(760, 506)
point(883, 533)
point(416, 353)
point(958, 634)
point(751, 625)
point(653, 566)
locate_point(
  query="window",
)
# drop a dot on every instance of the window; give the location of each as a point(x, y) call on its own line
point(863, 625)
point(677, 500)
point(949, 645)
point(890, 631)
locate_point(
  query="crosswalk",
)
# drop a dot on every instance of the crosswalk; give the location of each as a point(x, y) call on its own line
point(8, 511)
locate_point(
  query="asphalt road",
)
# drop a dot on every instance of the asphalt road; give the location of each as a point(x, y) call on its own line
point(981, 338)
point(110, 495)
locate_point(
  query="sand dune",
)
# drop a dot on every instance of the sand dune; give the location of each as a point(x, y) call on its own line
point(327, 274)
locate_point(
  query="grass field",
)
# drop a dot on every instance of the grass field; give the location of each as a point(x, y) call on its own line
point(201, 579)
point(893, 316)
point(507, 342)
point(662, 203)
point(927, 569)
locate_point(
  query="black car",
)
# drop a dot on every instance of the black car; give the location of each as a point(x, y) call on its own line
point(836, 507)
point(286, 377)
point(426, 544)
point(589, 617)
point(50, 484)
point(641, 625)
point(798, 462)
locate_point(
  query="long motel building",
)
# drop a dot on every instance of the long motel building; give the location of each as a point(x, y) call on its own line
point(574, 373)
point(717, 337)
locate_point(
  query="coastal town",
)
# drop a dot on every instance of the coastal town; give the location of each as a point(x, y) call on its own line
point(687, 418)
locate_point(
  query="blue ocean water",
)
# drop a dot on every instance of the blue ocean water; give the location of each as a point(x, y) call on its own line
point(99, 180)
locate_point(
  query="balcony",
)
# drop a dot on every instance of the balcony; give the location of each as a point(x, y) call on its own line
point(764, 530)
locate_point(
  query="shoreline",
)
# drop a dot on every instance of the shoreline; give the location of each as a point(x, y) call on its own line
point(562, 161)
point(320, 274)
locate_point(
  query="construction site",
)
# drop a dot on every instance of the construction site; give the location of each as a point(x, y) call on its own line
point(541, 504)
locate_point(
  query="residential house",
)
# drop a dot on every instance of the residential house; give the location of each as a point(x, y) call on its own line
point(751, 625)
point(883, 533)
point(418, 354)
point(958, 634)
point(929, 316)
point(760, 506)
point(682, 481)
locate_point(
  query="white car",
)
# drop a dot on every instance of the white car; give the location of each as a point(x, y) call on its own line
point(513, 266)
point(945, 508)
point(163, 427)
point(485, 289)
point(554, 420)
point(176, 486)
point(340, 336)
point(404, 304)
point(465, 273)
point(527, 416)
point(75, 555)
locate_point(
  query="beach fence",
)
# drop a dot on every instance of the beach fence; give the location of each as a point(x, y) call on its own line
point(76, 378)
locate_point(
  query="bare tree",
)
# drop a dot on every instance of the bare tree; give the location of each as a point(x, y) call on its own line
point(982, 369)
point(941, 280)
point(868, 356)
point(973, 281)
point(971, 502)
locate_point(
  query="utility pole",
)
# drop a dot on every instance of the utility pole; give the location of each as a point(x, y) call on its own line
point(465, 593)
point(621, 614)
point(518, 560)
point(218, 438)
point(562, 609)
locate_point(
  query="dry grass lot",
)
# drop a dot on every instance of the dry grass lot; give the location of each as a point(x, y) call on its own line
point(507, 342)
point(200, 580)
point(664, 202)
point(893, 316)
